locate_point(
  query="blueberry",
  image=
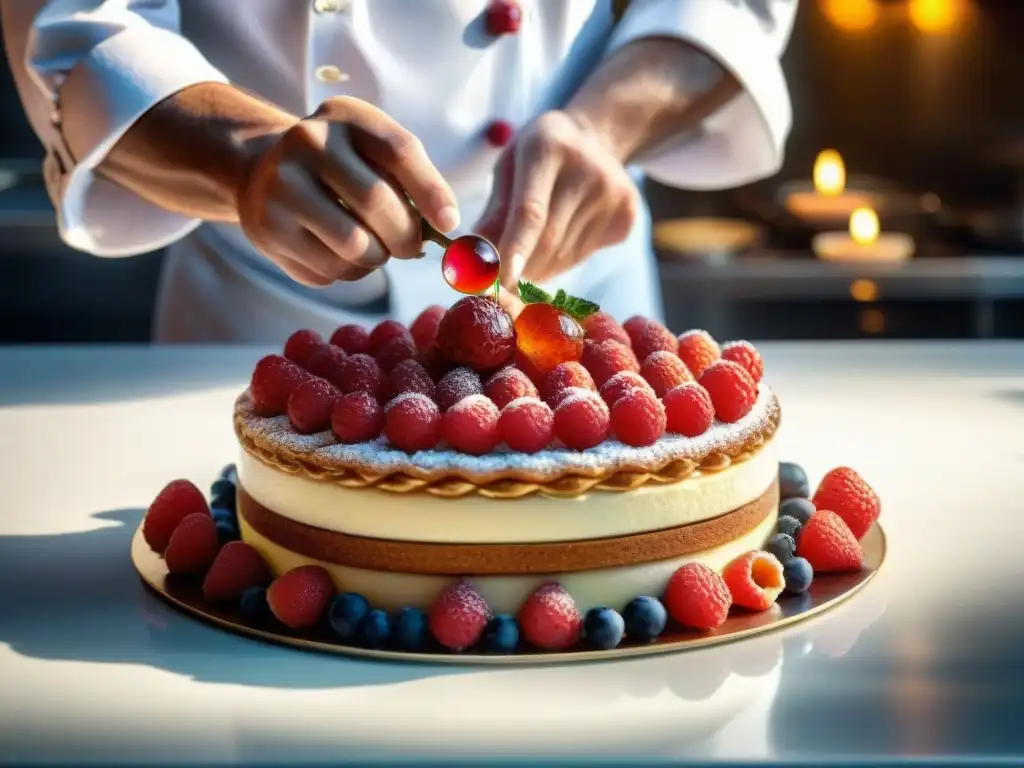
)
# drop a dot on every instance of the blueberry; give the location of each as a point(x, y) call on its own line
point(412, 629)
point(782, 546)
point(224, 501)
point(603, 628)
point(227, 531)
point(346, 612)
point(227, 515)
point(788, 525)
point(793, 481)
point(501, 634)
point(229, 472)
point(255, 607)
point(375, 629)
point(799, 509)
point(222, 488)
point(798, 574)
point(645, 618)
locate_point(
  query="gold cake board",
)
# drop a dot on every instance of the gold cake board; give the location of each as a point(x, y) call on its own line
point(826, 591)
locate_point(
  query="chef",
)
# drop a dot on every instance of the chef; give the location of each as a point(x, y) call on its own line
point(274, 145)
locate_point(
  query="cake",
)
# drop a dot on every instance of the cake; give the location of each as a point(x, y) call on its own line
point(476, 481)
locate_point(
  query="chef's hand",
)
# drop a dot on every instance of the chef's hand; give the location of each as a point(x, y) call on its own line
point(559, 195)
point(348, 150)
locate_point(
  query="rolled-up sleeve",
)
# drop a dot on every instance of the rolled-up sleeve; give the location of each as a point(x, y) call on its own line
point(744, 140)
point(100, 66)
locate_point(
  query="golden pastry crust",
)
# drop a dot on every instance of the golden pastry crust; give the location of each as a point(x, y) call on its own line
point(505, 559)
point(610, 466)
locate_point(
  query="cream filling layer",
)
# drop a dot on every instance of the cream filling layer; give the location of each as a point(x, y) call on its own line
point(475, 519)
point(613, 587)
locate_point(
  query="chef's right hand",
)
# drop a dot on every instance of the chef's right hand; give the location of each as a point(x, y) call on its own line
point(288, 202)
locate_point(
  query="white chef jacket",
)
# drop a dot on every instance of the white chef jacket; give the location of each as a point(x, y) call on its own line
point(430, 64)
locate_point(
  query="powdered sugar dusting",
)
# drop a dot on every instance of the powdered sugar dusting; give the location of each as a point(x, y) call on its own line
point(572, 395)
point(378, 457)
point(520, 402)
point(418, 397)
point(469, 401)
point(700, 333)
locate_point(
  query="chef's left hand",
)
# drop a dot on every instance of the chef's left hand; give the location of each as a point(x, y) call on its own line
point(559, 195)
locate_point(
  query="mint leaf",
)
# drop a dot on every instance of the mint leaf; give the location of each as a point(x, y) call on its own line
point(561, 297)
point(531, 294)
point(578, 308)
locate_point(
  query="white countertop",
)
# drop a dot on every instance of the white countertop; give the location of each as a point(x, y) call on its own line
point(926, 661)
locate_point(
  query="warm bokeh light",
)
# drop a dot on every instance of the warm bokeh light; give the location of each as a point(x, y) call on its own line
point(851, 15)
point(872, 321)
point(864, 226)
point(937, 15)
point(864, 290)
point(829, 173)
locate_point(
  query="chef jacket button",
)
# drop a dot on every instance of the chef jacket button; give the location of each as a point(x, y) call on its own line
point(504, 17)
point(328, 73)
point(331, 6)
point(499, 133)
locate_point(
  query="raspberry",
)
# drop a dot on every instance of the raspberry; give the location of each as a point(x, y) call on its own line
point(424, 327)
point(745, 355)
point(562, 377)
point(478, 333)
point(273, 381)
point(177, 500)
point(634, 326)
point(236, 568)
point(471, 425)
point(299, 597)
point(357, 417)
point(550, 618)
point(412, 422)
point(394, 352)
point(732, 391)
point(698, 350)
point(664, 371)
point(310, 406)
point(301, 345)
point(193, 545)
point(434, 362)
point(828, 544)
point(754, 580)
point(524, 364)
point(507, 385)
point(527, 425)
point(385, 331)
point(352, 338)
point(455, 385)
point(327, 362)
point(581, 419)
point(620, 384)
point(360, 373)
point(844, 492)
point(651, 337)
point(697, 597)
point(411, 376)
point(688, 410)
point(600, 326)
point(458, 617)
point(638, 418)
point(606, 359)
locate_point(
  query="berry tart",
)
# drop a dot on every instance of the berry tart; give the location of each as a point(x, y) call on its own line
point(480, 482)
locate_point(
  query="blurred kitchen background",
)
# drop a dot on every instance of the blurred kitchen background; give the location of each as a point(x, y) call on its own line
point(899, 212)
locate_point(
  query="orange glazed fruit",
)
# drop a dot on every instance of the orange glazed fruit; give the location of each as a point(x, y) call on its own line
point(547, 336)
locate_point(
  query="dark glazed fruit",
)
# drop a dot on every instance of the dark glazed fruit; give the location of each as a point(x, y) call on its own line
point(477, 333)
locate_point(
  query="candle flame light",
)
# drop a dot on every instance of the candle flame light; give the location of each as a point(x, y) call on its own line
point(864, 226)
point(829, 173)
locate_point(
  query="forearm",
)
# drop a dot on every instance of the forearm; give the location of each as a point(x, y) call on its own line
point(649, 91)
point(189, 153)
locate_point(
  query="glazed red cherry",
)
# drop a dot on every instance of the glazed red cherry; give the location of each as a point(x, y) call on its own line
point(470, 264)
point(499, 133)
point(504, 17)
